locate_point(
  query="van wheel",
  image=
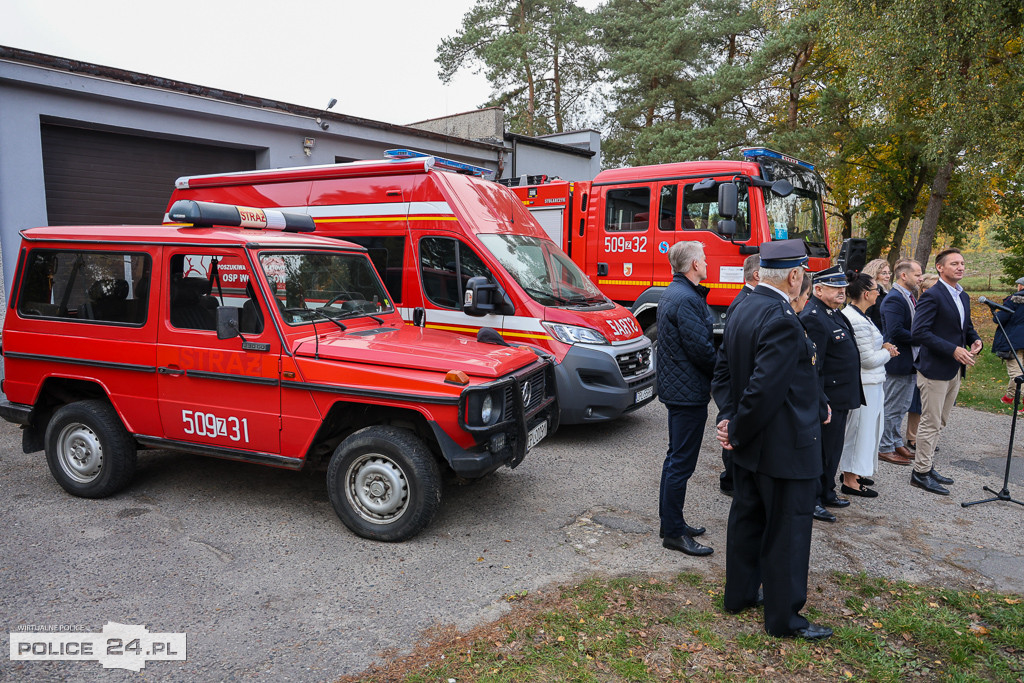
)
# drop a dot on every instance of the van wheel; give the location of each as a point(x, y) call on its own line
point(652, 333)
point(88, 450)
point(384, 484)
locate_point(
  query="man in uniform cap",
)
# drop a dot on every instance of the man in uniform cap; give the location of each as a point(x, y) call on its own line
point(839, 369)
point(771, 410)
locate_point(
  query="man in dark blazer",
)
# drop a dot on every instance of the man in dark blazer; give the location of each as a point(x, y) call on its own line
point(750, 278)
point(943, 329)
point(771, 411)
point(839, 368)
point(897, 310)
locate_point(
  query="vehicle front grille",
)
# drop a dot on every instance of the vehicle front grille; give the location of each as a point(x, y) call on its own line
point(538, 388)
point(635, 363)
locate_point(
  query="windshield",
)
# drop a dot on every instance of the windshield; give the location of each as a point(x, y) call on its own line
point(315, 285)
point(797, 216)
point(543, 270)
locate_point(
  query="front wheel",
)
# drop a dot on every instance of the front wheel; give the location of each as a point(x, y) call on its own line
point(384, 484)
point(88, 450)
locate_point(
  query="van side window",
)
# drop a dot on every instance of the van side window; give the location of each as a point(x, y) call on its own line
point(446, 265)
point(700, 211)
point(628, 209)
point(388, 256)
point(86, 286)
point(667, 210)
point(199, 283)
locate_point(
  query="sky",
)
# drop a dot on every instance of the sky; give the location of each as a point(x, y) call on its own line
point(375, 56)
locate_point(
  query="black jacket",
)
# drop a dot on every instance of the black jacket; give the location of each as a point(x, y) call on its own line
point(938, 331)
point(896, 322)
point(686, 348)
point(838, 358)
point(767, 382)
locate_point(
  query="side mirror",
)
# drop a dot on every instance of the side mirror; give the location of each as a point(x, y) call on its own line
point(728, 201)
point(782, 188)
point(227, 322)
point(727, 227)
point(483, 298)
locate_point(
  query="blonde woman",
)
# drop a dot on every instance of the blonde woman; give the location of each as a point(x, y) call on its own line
point(878, 270)
point(864, 424)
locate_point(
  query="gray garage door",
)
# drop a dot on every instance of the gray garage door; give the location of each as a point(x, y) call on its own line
point(95, 177)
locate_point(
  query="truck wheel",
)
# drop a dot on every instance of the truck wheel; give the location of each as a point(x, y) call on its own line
point(652, 334)
point(384, 484)
point(88, 450)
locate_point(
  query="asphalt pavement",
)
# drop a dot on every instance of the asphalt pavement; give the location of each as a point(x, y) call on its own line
point(253, 565)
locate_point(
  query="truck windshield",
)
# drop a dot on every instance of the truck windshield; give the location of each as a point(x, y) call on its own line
point(314, 285)
point(797, 216)
point(543, 270)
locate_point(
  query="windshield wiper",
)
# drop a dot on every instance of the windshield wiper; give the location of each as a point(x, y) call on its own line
point(319, 313)
point(359, 314)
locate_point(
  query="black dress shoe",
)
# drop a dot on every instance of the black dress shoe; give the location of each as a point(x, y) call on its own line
point(863, 491)
point(865, 481)
point(813, 632)
point(912, 445)
point(686, 544)
point(693, 530)
point(726, 491)
point(925, 481)
point(835, 501)
point(823, 515)
point(939, 478)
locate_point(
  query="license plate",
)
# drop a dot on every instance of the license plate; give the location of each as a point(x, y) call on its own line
point(644, 394)
point(536, 434)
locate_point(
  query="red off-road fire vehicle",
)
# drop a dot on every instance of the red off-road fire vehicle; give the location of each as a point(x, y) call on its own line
point(226, 338)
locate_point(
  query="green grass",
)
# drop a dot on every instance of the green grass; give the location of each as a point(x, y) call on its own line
point(644, 629)
point(985, 383)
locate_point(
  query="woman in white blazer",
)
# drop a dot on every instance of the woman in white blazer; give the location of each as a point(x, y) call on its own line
point(864, 424)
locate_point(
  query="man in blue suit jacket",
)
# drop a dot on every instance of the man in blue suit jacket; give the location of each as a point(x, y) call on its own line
point(897, 311)
point(943, 329)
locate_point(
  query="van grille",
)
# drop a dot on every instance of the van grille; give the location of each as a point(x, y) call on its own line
point(635, 363)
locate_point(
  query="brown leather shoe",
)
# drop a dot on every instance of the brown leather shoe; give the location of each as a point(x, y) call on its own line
point(904, 452)
point(895, 459)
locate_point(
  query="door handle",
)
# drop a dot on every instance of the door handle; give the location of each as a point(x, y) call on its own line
point(602, 269)
point(171, 370)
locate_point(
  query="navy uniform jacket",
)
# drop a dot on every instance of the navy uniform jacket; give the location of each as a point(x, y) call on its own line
point(740, 296)
point(896, 320)
point(937, 330)
point(838, 358)
point(770, 390)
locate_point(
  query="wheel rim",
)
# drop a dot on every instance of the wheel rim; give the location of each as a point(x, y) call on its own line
point(377, 488)
point(80, 452)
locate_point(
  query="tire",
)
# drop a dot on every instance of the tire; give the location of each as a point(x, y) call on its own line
point(652, 333)
point(88, 450)
point(384, 484)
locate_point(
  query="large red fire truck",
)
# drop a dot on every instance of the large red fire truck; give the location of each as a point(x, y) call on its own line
point(618, 228)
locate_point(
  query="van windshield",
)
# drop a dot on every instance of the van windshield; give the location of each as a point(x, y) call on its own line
point(543, 270)
point(315, 285)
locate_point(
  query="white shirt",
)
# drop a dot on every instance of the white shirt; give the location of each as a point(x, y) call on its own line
point(954, 291)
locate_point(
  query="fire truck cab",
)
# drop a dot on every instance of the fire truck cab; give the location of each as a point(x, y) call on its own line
point(458, 252)
point(619, 227)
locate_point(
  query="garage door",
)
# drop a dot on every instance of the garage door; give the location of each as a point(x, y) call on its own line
point(95, 177)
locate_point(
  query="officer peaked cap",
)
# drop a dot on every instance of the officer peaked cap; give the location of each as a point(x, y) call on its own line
point(783, 254)
point(831, 277)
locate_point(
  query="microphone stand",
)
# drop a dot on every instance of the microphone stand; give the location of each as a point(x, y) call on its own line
point(1004, 493)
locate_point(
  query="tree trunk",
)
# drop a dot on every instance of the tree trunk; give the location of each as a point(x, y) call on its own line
point(906, 213)
point(559, 125)
point(940, 187)
point(795, 80)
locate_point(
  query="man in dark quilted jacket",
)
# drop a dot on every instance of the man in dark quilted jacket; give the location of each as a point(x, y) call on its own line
point(686, 362)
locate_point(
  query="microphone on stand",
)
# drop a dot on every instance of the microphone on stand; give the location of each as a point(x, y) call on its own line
point(993, 304)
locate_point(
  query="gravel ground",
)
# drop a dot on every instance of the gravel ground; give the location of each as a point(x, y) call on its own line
point(253, 565)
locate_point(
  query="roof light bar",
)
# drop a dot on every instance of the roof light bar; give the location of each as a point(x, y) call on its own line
point(754, 152)
point(207, 214)
point(442, 163)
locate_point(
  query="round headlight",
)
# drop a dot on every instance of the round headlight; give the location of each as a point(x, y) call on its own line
point(486, 408)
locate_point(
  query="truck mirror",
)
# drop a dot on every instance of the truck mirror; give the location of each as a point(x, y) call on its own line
point(480, 297)
point(727, 227)
point(782, 188)
point(227, 322)
point(727, 201)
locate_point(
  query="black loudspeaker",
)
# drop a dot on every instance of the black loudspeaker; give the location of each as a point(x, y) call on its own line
point(853, 254)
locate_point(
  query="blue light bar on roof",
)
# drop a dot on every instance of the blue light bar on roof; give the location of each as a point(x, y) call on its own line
point(442, 163)
point(754, 152)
